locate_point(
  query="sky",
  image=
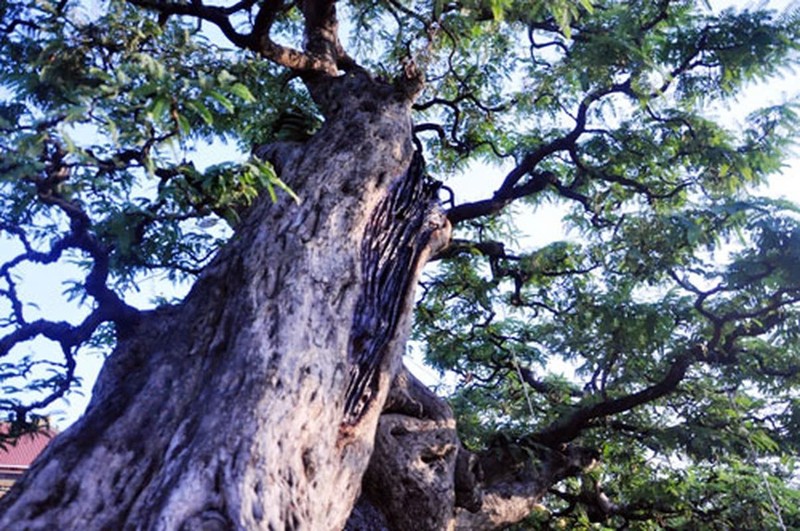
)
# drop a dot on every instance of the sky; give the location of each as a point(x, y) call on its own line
point(43, 288)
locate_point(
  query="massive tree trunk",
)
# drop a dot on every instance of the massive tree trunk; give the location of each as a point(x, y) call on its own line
point(254, 403)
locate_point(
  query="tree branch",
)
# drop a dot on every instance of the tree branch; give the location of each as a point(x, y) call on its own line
point(567, 429)
point(510, 190)
point(518, 493)
point(218, 16)
point(486, 207)
point(110, 307)
point(317, 59)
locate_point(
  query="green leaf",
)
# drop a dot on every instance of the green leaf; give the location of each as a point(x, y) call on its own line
point(202, 111)
point(160, 107)
point(183, 124)
point(222, 100)
point(242, 92)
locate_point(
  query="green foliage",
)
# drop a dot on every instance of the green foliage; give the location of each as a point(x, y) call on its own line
point(107, 120)
point(598, 321)
point(670, 251)
point(124, 102)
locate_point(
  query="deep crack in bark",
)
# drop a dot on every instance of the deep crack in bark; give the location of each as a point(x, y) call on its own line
point(397, 234)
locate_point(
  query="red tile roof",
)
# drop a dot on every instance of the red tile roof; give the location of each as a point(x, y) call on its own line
point(25, 449)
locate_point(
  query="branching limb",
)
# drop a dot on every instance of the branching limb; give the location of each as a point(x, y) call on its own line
point(512, 496)
point(570, 427)
point(323, 52)
point(109, 307)
point(510, 189)
point(486, 207)
point(722, 348)
point(492, 249)
point(219, 16)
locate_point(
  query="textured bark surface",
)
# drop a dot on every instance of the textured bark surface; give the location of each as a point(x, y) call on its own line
point(229, 410)
point(420, 476)
point(412, 472)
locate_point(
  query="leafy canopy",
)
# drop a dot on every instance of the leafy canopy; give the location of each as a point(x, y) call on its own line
point(663, 332)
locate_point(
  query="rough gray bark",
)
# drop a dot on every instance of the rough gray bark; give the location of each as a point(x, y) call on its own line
point(254, 403)
point(411, 477)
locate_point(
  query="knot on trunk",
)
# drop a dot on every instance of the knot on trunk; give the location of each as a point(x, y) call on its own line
point(208, 520)
point(412, 471)
point(419, 472)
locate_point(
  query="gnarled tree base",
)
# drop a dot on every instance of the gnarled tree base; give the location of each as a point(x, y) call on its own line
point(253, 404)
point(421, 477)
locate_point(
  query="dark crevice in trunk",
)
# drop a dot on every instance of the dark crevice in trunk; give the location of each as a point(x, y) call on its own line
point(394, 239)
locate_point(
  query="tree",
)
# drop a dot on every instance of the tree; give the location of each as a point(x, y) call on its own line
point(643, 373)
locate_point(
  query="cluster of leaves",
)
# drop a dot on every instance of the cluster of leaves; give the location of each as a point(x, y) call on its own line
point(669, 341)
point(106, 124)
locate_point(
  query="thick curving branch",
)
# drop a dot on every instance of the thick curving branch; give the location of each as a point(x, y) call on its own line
point(486, 207)
point(511, 189)
point(219, 16)
point(569, 428)
point(721, 348)
point(109, 307)
point(323, 54)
